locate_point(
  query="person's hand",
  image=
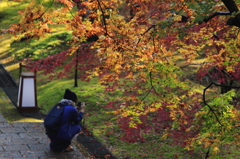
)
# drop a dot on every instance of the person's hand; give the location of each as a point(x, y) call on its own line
point(83, 106)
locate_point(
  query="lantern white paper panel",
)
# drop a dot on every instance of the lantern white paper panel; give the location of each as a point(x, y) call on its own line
point(28, 94)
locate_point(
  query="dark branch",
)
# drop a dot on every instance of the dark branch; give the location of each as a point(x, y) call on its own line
point(207, 154)
point(204, 101)
point(215, 14)
point(150, 76)
point(231, 5)
point(152, 26)
point(218, 85)
point(103, 15)
point(40, 17)
point(152, 88)
point(235, 21)
point(184, 19)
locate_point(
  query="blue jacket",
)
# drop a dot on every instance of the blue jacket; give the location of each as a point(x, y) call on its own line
point(70, 122)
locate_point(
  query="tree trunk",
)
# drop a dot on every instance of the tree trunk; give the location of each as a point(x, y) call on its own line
point(232, 7)
point(76, 72)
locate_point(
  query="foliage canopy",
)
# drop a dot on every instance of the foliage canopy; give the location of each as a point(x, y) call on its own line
point(135, 46)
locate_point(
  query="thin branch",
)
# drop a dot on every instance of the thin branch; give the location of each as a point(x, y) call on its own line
point(152, 88)
point(154, 45)
point(71, 12)
point(152, 26)
point(45, 11)
point(204, 101)
point(103, 15)
point(207, 154)
point(150, 75)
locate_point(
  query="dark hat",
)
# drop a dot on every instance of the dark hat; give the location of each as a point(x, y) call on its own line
point(70, 95)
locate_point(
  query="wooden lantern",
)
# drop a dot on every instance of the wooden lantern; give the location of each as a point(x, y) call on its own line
point(27, 98)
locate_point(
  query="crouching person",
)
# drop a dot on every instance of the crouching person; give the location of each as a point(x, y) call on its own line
point(69, 122)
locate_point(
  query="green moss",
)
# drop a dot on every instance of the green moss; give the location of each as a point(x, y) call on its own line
point(52, 92)
point(52, 44)
point(9, 12)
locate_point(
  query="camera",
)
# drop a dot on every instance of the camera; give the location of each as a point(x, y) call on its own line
point(80, 105)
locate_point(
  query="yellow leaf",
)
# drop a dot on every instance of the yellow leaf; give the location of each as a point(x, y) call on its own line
point(215, 150)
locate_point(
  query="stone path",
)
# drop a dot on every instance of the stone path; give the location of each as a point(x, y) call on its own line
point(28, 141)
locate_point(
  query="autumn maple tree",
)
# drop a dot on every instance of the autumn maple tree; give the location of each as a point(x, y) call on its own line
point(134, 47)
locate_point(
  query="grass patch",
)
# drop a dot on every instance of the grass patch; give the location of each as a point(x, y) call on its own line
point(9, 12)
point(52, 44)
point(52, 92)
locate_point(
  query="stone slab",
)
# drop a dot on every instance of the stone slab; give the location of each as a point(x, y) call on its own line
point(42, 147)
point(24, 158)
point(28, 124)
point(33, 154)
point(1, 149)
point(15, 147)
point(10, 154)
point(35, 129)
point(32, 135)
point(20, 141)
point(5, 125)
point(5, 141)
point(13, 130)
point(9, 135)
